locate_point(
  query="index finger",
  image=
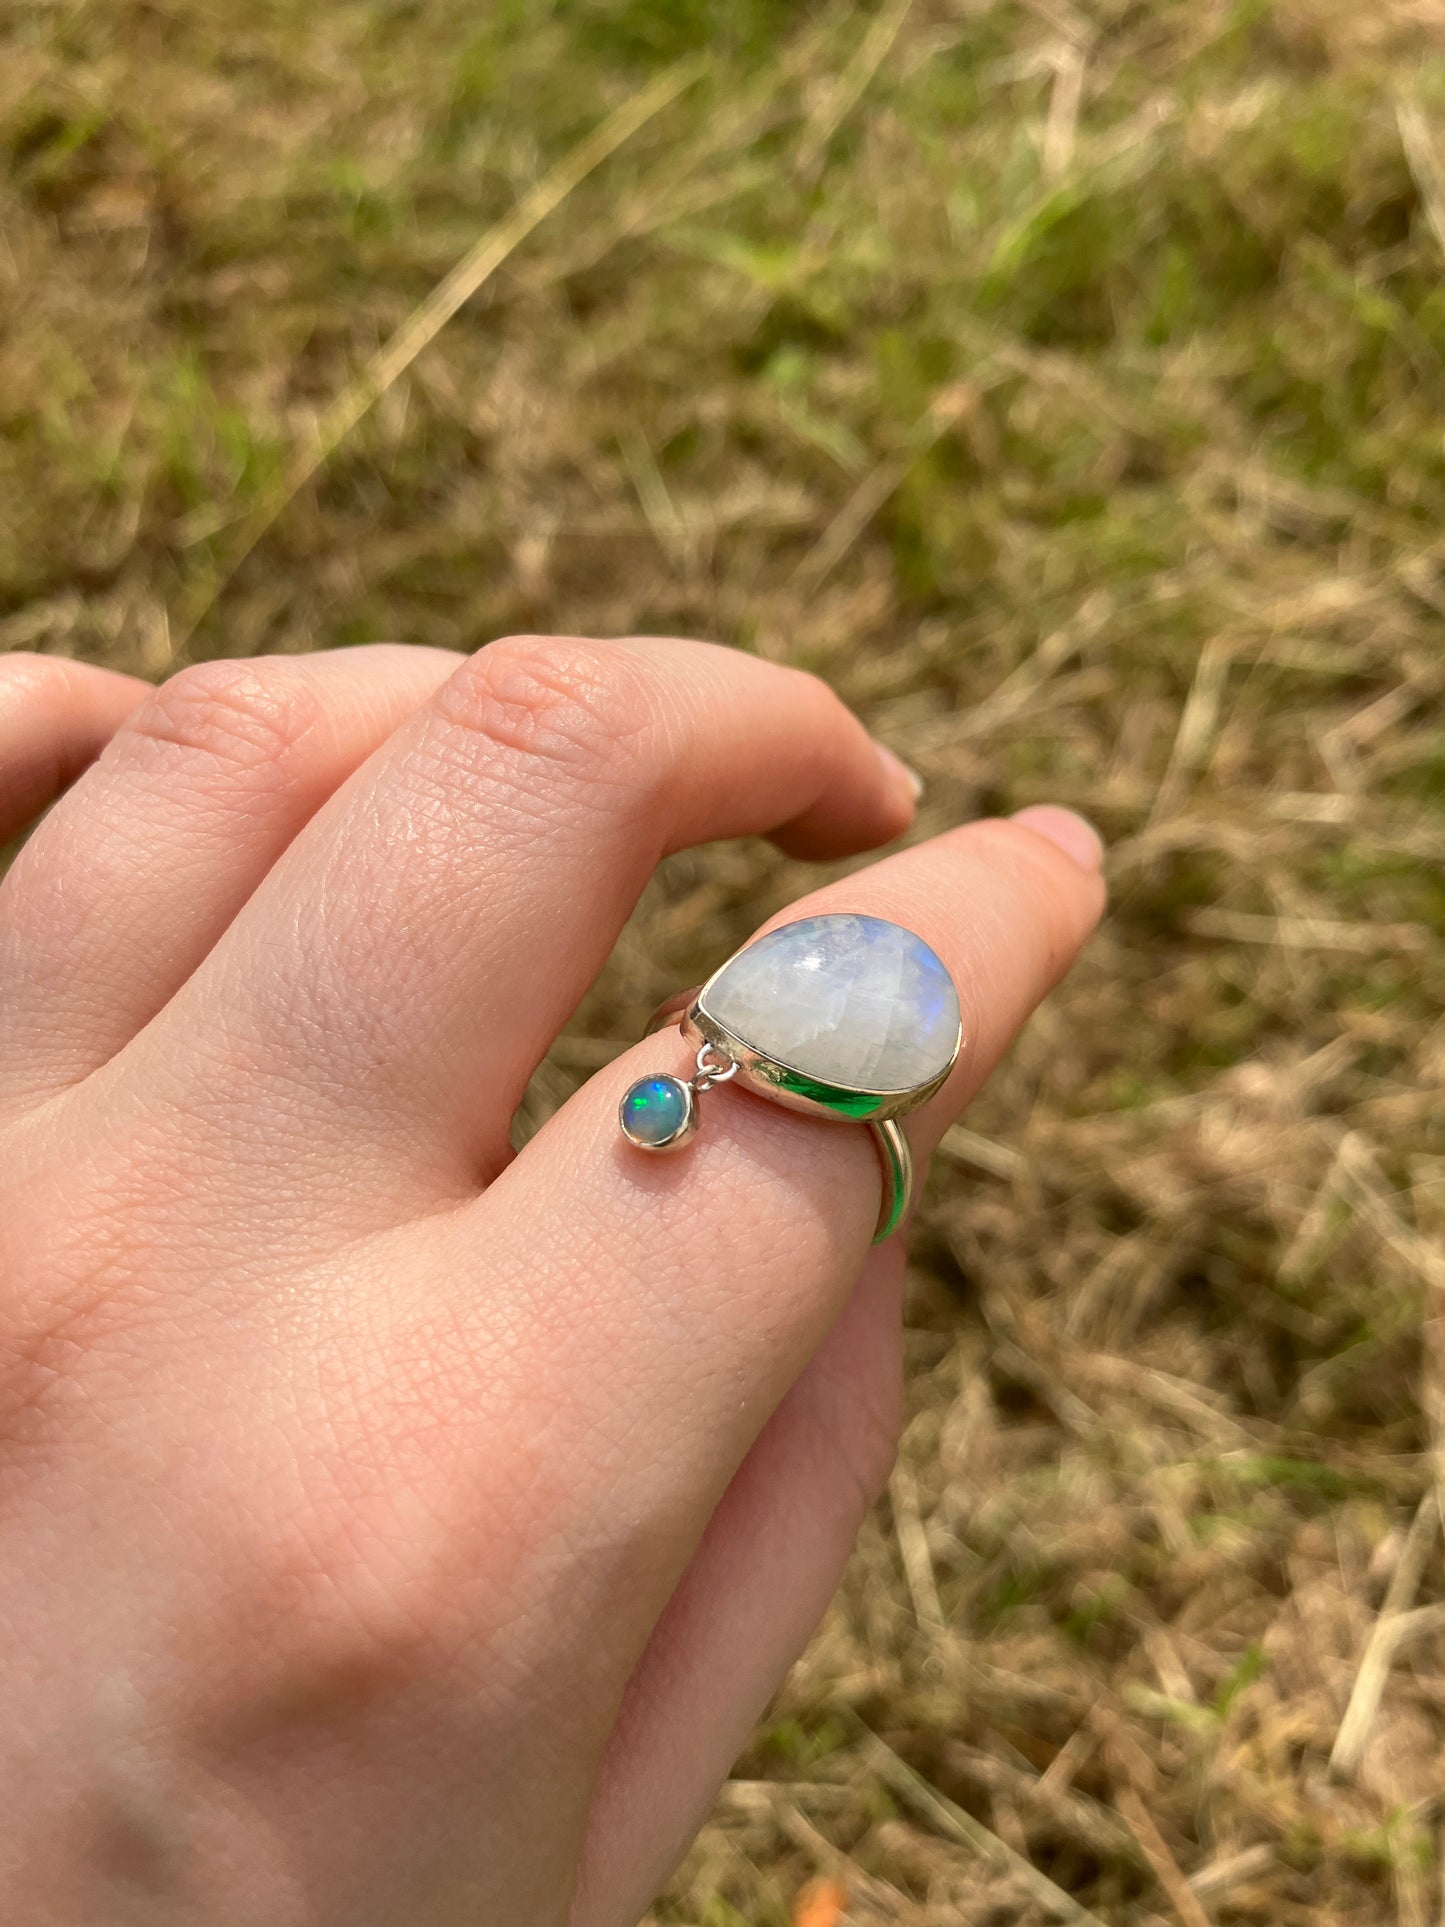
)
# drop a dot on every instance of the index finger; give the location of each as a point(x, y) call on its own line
point(705, 1281)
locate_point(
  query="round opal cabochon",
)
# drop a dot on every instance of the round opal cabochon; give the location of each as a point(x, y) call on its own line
point(655, 1111)
point(852, 1001)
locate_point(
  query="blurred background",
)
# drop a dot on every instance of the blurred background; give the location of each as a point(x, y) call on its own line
point(1065, 385)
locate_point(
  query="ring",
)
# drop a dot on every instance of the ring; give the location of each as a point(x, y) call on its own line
point(847, 1017)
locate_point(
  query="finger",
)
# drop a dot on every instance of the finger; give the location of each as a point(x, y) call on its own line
point(752, 1595)
point(478, 872)
point(130, 880)
point(707, 1280)
point(55, 717)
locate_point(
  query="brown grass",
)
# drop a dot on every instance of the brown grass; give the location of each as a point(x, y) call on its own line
point(1066, 385)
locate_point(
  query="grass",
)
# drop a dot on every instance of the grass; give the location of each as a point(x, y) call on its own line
point(1065, 384)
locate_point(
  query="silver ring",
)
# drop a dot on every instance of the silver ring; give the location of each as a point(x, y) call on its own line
point(847, 1017)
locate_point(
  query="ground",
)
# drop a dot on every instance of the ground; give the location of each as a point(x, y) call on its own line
point(1067, 386)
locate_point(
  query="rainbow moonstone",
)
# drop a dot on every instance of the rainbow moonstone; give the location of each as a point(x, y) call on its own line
point(854, 1002)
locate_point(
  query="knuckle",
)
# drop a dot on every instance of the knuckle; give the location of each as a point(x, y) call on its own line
point(371, 1556)
point(354, 1610)
point(577, 704)
point(241, 717)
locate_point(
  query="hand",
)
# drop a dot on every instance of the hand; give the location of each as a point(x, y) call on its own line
point(394, 1531)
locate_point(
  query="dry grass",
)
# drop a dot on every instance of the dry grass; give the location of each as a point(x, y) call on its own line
point(1066, 384)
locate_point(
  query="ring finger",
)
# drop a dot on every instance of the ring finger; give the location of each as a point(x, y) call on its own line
point(726, 1265)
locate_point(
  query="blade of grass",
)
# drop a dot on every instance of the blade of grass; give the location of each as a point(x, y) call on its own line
point(1165, 1867)
point(955, 1823)
point(1393, 1624)
point(855, 81)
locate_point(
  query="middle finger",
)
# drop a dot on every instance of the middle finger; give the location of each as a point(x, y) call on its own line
point(416, 952)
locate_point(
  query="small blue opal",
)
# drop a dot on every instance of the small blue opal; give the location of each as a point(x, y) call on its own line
point(658, 1114)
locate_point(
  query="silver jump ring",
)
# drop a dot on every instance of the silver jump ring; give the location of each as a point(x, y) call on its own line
point(710, 1074)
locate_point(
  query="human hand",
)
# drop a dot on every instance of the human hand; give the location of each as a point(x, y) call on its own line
point(395, 1531)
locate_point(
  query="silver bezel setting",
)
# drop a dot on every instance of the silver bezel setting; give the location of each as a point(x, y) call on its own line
point(784, 1083)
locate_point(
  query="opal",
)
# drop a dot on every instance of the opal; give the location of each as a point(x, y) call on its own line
point(854, 1002)
point(655, 1113)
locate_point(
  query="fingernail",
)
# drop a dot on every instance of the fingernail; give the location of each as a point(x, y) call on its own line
point(1067, 831)
point(899, 770)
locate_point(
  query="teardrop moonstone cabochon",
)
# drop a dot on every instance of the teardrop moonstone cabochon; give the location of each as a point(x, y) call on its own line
point(852, 1001)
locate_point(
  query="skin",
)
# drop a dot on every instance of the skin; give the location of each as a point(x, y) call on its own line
point(394, 1530)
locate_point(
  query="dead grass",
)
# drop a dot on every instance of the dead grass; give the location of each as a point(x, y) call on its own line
point(1065, 384)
